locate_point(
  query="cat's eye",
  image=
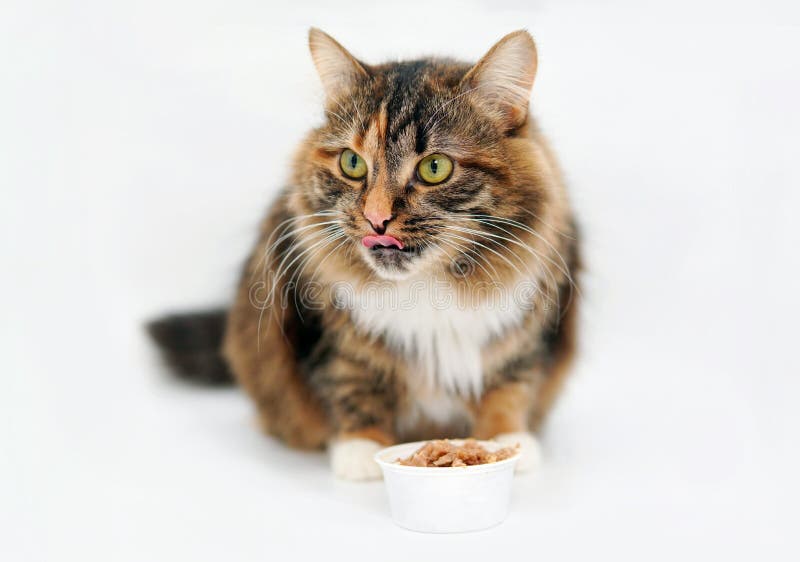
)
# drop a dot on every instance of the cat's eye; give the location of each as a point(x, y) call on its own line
point(435, 168)
point(353, 166)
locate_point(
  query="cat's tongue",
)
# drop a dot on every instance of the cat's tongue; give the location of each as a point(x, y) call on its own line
point(387, 241)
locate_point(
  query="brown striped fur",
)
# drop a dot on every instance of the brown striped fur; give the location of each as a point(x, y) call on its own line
point(314, 371)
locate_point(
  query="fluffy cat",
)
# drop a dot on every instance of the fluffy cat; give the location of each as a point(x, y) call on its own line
point(415, 277)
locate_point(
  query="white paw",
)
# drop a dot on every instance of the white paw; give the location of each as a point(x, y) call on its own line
point(531, 452)
point(351, 459)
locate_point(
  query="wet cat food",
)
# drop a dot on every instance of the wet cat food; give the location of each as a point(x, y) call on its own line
point(444, 453)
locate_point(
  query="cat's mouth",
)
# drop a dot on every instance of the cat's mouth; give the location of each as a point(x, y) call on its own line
point(382, 242)
point(389, 255)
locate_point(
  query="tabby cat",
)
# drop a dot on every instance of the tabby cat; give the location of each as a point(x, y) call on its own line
point(415, 277)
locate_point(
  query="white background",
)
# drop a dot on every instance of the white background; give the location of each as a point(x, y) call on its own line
point(140, 142)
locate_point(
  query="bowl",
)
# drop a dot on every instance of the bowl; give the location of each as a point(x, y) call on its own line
point(446, 499)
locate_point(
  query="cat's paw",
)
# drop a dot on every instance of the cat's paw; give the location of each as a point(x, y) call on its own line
point(352, 459)
point(530, 450)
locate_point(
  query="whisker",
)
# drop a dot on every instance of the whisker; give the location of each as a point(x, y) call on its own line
point(462, 250)
point(518, 242)
point(280, 272)
point(491, 219)
point(329, 254)
point(544, 222)
point(281, 228)
point(297, 276)
point(283, 268)
point(494, 222)
point(498, 254)
point(491, 239)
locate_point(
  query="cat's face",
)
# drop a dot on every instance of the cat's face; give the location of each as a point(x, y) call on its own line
point(413, 155)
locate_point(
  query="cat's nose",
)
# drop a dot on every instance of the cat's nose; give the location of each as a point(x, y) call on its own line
point(378, 207)
point(378, 219)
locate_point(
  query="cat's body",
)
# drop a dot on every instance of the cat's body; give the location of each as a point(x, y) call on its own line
point(380, 307)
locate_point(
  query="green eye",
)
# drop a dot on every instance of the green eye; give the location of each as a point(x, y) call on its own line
point(435, 168)
point(353, 166)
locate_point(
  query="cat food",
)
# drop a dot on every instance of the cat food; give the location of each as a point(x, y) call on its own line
point(443, 453)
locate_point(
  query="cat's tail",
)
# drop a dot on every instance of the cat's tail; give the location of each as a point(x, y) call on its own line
point(191, 344)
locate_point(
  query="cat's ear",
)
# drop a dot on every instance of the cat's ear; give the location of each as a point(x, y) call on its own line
point(503, 78)
point(337, 68)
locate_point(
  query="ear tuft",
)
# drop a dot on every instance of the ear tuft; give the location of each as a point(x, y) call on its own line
point(337, 68)
point(503, 78)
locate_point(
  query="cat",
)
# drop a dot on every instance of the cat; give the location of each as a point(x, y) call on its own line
point(416, 277)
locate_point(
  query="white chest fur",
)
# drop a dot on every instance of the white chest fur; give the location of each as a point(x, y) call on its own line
point(440, 334)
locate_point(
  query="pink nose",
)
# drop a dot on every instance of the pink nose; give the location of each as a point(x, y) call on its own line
point(378, 219)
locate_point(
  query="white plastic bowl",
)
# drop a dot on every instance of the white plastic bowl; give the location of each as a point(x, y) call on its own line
point(446, 499)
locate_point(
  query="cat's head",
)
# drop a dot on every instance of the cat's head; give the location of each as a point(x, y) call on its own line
point(413, 154)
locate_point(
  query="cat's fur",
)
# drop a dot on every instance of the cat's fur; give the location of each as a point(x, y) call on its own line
point(355, 348)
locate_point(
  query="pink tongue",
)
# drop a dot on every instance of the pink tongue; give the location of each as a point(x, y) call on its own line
point(370, 241)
